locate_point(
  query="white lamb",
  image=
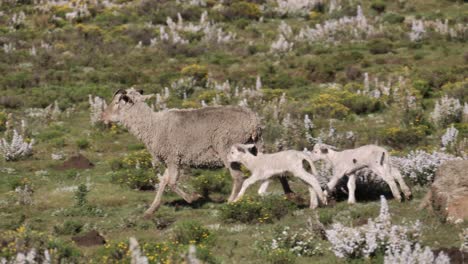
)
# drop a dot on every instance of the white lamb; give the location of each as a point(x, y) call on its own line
point(265, 166)
point(347, 162)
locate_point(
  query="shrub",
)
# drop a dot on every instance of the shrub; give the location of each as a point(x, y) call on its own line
point(380, 46)
point(82, 143)
point(398, 137)
point(3, 121)
point(241, 9)
point(420, 166)
point(191, 232)
point(69, 227)
point(24, 240)
point(80, 195)
point(299, 243)
point(10, 101)
point(138, 179)
point(205, 183)
point(258, 210)
point(378, 235)
point(378, 5)
point(338, 104)
point(198, 72)
point(393, 18)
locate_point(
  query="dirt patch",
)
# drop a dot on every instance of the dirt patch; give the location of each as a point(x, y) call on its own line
point(455, 254)
point(92, 238)
point(76, 162)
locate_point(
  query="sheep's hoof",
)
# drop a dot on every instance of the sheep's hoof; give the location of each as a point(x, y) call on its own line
point(195, 197)
point(351, 202)
point(148, 215)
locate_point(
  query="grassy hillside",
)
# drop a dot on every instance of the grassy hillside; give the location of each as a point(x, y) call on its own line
point(347, 73)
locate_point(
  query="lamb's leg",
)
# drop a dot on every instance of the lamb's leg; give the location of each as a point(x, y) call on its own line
point(389, 180)
point(263, 188)
point(237, 179)
point(352, 189)
point(157, 199)
point(334, 181)
point(397, 175)
point(251, 180)
point(312, 182)
point(313, 198)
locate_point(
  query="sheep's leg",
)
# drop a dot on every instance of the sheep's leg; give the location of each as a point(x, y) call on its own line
point(312, 182)
point(251, 180)
point(237, 180)
point(157, 199)
point(263, 188)
point(285, 184)
point(313, 198)
point(389, 180)
point(352, 189)
point(173, 179)
point(397, 175)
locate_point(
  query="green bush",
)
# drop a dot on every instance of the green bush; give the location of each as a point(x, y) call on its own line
point(138, 179)
point(256, 210)
point(207, 182)
point(400, 138)
point(69, 227)
point(241, 9)
point(191, 232)
point(24, 240)
point(393, 18)
point(380, 46)
point(82, 143)
point(198, 72)
point(378, 5)
point(339, 104)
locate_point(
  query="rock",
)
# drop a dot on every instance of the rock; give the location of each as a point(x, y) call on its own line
point(448, 195)
point(92, 238)
point(76, 162)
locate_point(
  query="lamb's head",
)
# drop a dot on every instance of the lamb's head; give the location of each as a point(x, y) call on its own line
point(121, 102)
point(239, 152)
point(321, 151)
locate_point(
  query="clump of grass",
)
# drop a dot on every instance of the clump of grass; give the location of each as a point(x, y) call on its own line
point(257, 210)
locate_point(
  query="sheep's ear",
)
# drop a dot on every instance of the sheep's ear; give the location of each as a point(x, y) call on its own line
point(324, 150)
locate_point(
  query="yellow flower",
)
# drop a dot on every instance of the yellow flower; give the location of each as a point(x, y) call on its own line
point(21, 229)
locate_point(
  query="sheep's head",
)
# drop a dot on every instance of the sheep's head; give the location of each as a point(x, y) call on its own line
point(122, 101)
point(238, 152)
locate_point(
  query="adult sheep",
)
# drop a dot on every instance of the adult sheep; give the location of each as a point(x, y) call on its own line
point(198, 138)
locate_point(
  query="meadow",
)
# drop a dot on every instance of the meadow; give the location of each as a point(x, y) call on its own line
point(346, 73)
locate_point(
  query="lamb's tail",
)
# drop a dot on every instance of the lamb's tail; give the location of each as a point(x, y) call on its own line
point(307, 157)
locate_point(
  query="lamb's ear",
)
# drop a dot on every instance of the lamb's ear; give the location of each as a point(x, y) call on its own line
point(120, 91)
point(126, 99)
point(146, 97)
point(240, 149)
point(324, 150)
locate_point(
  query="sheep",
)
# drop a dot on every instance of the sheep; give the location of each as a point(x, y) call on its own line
point(264, 166)
point(185, 138)
point(348, 162)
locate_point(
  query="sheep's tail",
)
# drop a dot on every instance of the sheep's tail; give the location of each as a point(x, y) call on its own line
point(257, 139)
